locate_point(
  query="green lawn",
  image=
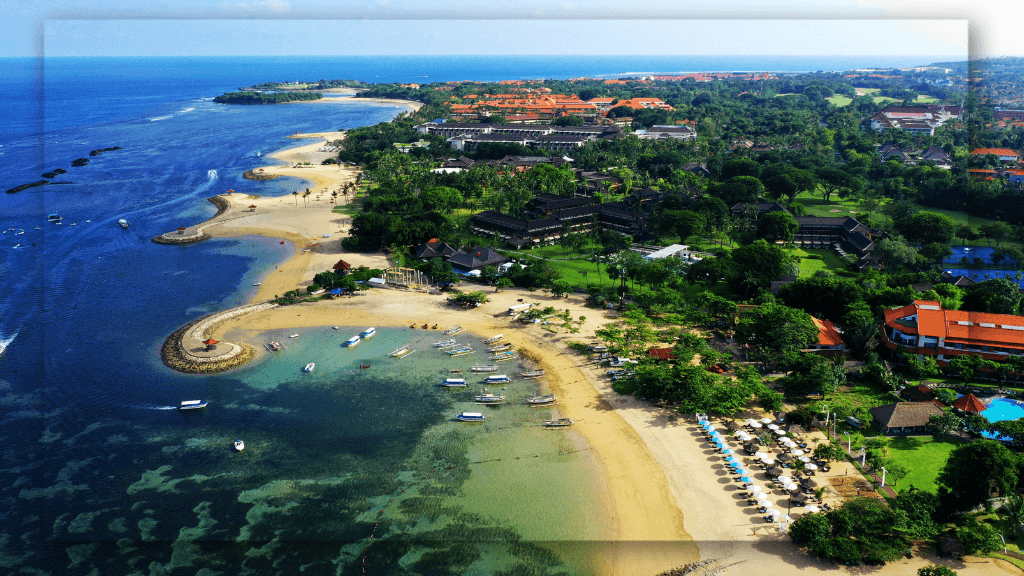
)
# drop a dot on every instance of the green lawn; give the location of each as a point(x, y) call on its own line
point(924, 457)
point(808, 266)
point(836, 206)
point(839, 100)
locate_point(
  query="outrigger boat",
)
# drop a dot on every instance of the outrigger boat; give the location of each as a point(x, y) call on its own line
point(192, 404)
point(489, 399)
point(460, 352)
point(502, 355)
point(471, 417)
point(506, 358)
point(542, 400)
point(404, 353)
point(501, 348)
point(532, 374)
point(445, 343)
point(403, 349)
point(454, 331)
point(558, 422)
point(455, 371)
point(484, 368)
point(494, 339)
point(497, 379)
point(454, 383)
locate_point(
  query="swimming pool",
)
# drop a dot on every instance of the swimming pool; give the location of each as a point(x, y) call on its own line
point(1002, 409)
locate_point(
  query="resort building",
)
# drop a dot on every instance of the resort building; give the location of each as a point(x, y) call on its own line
point(915, 119)
point(924, 328)
point(1004, 154)
point(828, 336)
point(905, 417)
point(1008, 114)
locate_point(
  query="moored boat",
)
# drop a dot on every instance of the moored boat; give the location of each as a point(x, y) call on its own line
point(542, 400)
point(123, 223)
point(500, 348)
point(460, 352)
point(454, 331)
point(294, 336)
point(445, 343)
point(368, 333)
point(239, 445)
point(55, 218)
point(309, 367)
point(484, 368)
point(533, 374)
point(558, 422)
point(506, 358)
point(598, 348)
point(403, 349)
point(454, 383)
point(497, 379)
point(489, 398)
point(404, 353)
point(494, 339)
point(471, 417)
point(192, 404)
point(274, 346)
point(351, 342)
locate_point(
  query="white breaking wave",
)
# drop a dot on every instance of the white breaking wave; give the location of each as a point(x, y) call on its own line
point(160, 118)
point(5, 342)
point(186, 110)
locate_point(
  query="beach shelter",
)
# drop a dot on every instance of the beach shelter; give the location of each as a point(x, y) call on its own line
point(969, 403)
point(210, 343)
point(745, 479)
point(181, 229)
point(754, 489)
point(764, 503)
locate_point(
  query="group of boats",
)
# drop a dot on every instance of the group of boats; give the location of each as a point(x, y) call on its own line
point(364, 335)
point(239, 445)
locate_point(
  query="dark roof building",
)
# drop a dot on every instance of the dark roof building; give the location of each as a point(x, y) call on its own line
point(475, 259)
point(433, 250)
point(905, 417)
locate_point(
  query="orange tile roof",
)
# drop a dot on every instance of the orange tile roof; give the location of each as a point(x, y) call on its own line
point(959, 325)
point(996, 151)
point(827, 333)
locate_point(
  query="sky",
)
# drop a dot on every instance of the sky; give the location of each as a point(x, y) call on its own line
point(338, 27)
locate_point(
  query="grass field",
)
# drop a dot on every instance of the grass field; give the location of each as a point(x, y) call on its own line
point(839, 100)
point(924, 457)
point(808, 266)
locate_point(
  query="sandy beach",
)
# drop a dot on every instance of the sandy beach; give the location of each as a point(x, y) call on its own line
point(668, 495)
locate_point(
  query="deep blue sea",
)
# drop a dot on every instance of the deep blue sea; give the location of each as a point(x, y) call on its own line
point(98, 475)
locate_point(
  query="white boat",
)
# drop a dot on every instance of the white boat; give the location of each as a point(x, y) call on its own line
point(558, 422)
point(309, 367)
point(403, 349)
point(502, 355)
point(294, 336)
point(453, 331)
point(404, 353)
point(369, 332)
point(598, 348)
point(55, 218)
point(484, 368)
point(471, 417)
point(533, 374)
point(506, 358)
point(192, 404)
point(257, 283)
point(454, 383)
point(460, 352)
point(445, 343)
point(542, 400)
point(335, 327)
point(123, 223)
point(500, 348)
point(489, 398)
point(239, 445)
point(351, 342)
point(493, 339)
point(274, 346)
point(497, 379)
point(622, 362)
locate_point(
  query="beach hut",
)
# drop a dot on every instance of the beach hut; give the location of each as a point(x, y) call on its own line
point(969, 403)
point(181, 229)
point(341, 266)
point(210, 343)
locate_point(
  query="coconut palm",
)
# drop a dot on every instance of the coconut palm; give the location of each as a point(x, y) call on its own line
point(296, 195)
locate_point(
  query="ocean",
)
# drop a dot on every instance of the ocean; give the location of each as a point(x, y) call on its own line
point(345, 471)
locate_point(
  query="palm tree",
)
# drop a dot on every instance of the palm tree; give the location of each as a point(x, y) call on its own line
point(296, 194)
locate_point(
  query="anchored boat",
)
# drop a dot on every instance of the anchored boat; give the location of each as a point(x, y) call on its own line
point(274, 346)
point(123, 223)
point(484, 368)
point(192, 404)
point(309, 367)
point(494, 339)
point(497, 379)
point(471, 417)
point(532, 374)
point(239, 445)
point(351, 342)
point(403, 349)
point(500, 348)
point(459, 351)
point(368, 333)
point(454, 383)
point(454, 331)
point(445, 343)
point(542, 400)
point(558, 422)
point(489, 399)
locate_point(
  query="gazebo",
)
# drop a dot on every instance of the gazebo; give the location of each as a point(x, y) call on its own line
point(342, 266)
point(252, 207)
point(181, 229)
point(210, 343)
point(969, 403)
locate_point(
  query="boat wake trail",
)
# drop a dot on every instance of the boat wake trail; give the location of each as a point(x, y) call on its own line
point(153, 407)
point(5, 342)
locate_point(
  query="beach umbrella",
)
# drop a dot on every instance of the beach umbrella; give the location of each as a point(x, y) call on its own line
point(742, 472)
point(764, 503)
point(785, 479)
point(733, 460)
point(780, 432)
point(812, 508)
point(772, 426)
point(798, 452)
point(715, 434)
point(767, 461)
point(773, 513)
point(760, 455)
point(805, 459)
point(786, 517)
point(751, 422)
point(729, 451)
point(754, 488)
point(766, 420)
point(811, 466)
point(760, 495)
point(790, 486)
point(705, 424)
point(745, 479)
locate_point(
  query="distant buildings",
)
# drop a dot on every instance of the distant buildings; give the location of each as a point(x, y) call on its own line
point(1004, 154)
point(466, 136)
point(1008, 114)
point(915, 119)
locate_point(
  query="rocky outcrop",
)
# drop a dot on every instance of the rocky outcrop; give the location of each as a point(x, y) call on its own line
point(251, 175)
point(184, 350)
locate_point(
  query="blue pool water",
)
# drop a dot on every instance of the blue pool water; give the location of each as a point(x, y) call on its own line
point(1001, 409)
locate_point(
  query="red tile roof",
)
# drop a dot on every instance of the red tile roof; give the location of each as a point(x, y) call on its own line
point(959, 325)
point(661, 353)
point(969, 403)
point(996, 151)
point(827, 334)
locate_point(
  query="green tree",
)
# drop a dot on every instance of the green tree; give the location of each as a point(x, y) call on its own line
point(942, 424)
point(861, 530)
point(775, 330)
point(777, 226)
point(502, 283)
point(831, 180)
point(973, 472)
point(927, 227)
point(997, 296)
point(937, 570)
point(975, 536)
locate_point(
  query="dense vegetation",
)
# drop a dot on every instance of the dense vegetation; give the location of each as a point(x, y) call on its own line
point(265, 97)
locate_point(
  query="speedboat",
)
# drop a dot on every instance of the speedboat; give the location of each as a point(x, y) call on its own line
point(123, 223)
point(239, 445)
point(352, 342)
point(309, 367)
point(192, 404)
point(294, 336)
point(55, 218)
point(369, 332)
point(471, 417)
